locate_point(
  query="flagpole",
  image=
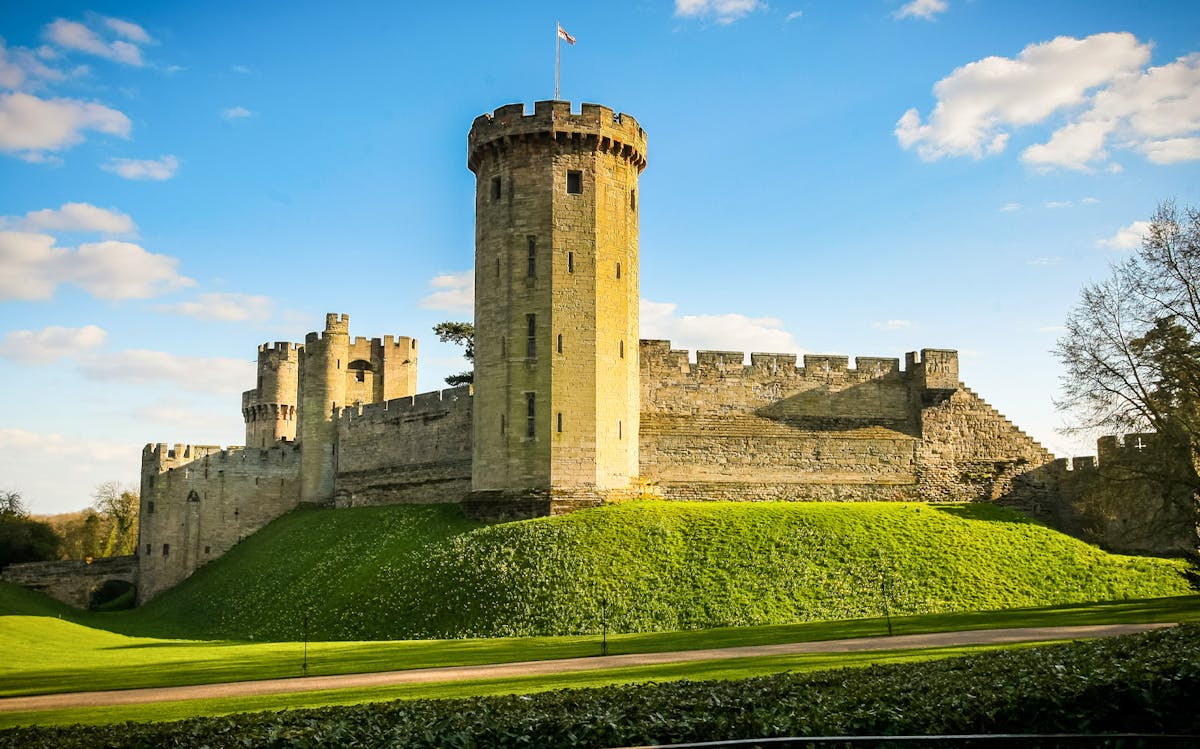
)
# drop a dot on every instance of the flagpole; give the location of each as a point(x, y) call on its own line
point(557, 42)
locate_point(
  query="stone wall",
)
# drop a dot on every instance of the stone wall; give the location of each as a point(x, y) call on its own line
point(717, 428)
point(1136, 496)
point(72, 581)
point(407, 450)
point(198, 501)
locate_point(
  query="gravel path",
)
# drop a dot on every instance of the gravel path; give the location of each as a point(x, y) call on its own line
point(564, 665)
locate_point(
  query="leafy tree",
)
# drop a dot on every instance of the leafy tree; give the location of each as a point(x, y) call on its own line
point(23, 539)
point(119, 506)
point(462, 333)
point(1131, 352)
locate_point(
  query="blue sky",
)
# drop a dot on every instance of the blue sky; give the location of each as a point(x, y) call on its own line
point(180, 182)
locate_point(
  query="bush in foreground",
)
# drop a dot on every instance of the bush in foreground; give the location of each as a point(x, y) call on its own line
point(1143, 683)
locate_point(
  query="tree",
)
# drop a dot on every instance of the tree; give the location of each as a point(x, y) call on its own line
point(1131, 351)
point(119, 506)
point(23, 539)
point(462, 333)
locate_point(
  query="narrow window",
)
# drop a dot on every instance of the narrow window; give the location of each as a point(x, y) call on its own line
point(530, 414)
point(150, 508)
point(503, 425)
point(495, 188)
point(531, 336)
point(560, 421)
point(560, 343)
point(497, 267)
point(633, 200)
point(618, 270)
point(147, 549)
point(207, 549)
point(570, 262)
point(619, 433)
point(531, 269)
point(503, 347)
point(621, 349)
point(166, 549)
point(575, 182)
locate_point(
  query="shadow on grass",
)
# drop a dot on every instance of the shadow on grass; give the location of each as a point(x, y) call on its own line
point(986, 512)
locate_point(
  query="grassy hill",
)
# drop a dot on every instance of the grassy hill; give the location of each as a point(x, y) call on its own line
point(405, 572)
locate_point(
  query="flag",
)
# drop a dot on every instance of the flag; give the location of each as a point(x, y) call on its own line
point(562, 34)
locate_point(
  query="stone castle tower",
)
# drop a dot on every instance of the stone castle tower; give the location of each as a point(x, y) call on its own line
point(556, 401)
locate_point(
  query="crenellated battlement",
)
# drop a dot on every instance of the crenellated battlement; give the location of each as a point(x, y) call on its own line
point(279, 350)
point(657, 356)
point(596, 124)
point(436, 401)
point(161, 457)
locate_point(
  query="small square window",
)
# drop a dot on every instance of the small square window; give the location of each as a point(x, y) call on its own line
point(207, 549)
point(495, 188)
point(166, 549)
point(150, 507)
point(575, 182)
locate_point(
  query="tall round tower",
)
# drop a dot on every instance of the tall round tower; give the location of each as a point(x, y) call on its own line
point(270, 408)
point(322, 391)
point(556, 402)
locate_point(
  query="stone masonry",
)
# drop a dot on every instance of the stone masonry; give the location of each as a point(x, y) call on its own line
point(568, 407)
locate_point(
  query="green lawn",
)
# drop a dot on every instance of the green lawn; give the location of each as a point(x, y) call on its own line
point(426, 572)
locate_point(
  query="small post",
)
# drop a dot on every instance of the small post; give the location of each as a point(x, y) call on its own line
point(557, 36)
point(884, 590)
point(304, 666)
point(604, 625)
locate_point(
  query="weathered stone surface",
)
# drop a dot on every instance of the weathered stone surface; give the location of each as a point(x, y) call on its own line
point(73, 581)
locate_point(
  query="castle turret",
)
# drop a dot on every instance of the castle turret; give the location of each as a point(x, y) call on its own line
point(270, 408)
point(323, 368)
point(556, 300)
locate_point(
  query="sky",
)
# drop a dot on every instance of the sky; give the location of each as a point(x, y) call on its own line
point(180, 182)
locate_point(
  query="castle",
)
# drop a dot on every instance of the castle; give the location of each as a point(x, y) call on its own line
point(568, 407)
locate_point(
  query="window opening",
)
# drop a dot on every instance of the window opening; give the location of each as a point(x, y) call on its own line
point(150, 508)
point(570, 262)
point(531, 336)
point(575, 182)
point(166, 549)
point(531, 270)
point(560, 343)
point(619, 433)
point(530, 415)
point(495, 188)
point(560, 421)
point(503, 425)
point(503, 347)
point(633, 200)
point(618, 270)
point(497, 267)
point(621, 349)
point(147, 549)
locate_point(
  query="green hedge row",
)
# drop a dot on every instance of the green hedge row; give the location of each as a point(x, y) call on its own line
point(1145, 683)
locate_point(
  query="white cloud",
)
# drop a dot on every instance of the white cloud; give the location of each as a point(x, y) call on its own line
point(793, 16)
point(722, 11)
point(1127, 238)
point(21, 67)
point(1099, 86)
point(122, 270)
point(75, 217)
point(241, 69)
point(452, 292)
point(728, 332)
point(1057, 204)
point(1011, 207)
point(1089, 201)
point(236, 113)
point(130, 31)
point(58, 473)
point(76, 36)
point(204, 375)
point(892, 324)
point(48, 345)
point(31, 267)
point(30, 124)
point(223, 307)
point(148, 169)
point(926, 9)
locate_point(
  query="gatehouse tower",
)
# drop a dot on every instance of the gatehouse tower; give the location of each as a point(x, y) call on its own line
point(556, 402)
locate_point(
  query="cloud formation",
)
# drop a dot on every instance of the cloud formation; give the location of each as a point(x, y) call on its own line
point(1127, 238)
point(83, 217)
point(722, 11)
point(236, 113)
point(926, 9)
point(1098, 87)
point(727, 332)
point(49, 345)
point(197, 374)
point(32, 267)
point(75, 36)
point(223, 307)
point(159, 169)
point(30, 125)
point(452, 292)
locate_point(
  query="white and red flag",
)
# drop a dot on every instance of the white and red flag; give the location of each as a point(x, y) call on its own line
point(562, 34)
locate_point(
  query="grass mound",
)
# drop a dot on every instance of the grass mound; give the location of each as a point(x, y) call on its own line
point(423, 572)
